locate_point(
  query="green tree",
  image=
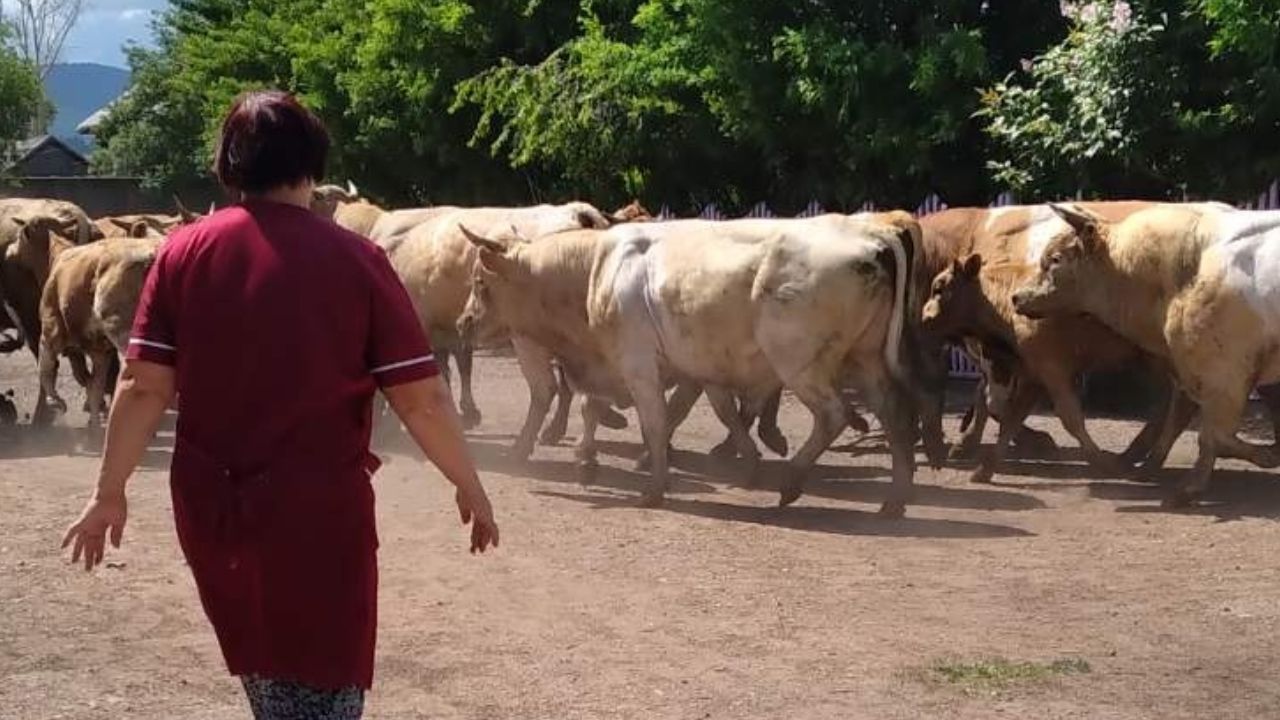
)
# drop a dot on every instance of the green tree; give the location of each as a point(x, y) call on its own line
point(22, 98)
point(1155, 99)
point(698, 100)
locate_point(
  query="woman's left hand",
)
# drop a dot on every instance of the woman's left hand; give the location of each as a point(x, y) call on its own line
point(89, 533)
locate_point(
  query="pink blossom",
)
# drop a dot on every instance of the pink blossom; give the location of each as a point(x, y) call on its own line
point(1121, 16)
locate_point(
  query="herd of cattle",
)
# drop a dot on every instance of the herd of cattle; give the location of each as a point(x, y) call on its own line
point(623, 309)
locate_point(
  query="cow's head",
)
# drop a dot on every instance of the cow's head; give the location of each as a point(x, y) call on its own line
point(1069, 262)
point(325, 199)
point(632, 212)
point(497, 278)
point(40, 237)
point(954, 296)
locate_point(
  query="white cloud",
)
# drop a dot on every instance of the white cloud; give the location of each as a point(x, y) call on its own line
point(129, 14)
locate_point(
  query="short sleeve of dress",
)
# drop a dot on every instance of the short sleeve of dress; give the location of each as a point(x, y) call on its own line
point(398, 351)
point(155, 334)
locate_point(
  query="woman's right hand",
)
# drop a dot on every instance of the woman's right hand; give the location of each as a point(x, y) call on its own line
point(103, 515)
point(474, 508)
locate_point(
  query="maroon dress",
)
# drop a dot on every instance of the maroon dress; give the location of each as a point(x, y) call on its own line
point(280, 326)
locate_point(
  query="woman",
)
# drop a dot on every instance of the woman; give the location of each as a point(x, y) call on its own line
point(275, 326)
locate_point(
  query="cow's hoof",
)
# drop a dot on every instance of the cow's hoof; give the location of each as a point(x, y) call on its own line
point(652, 499)
point(965, 450)
point(981, 477)
point(521, 451)
point(588, 470)
point(553, 435)
point(1111, 464)
point(774, 440)
point(470, 418)
point(1179, 500)
point(724, 451)
point(892, 510)
point(1036, 445)
point(791, 492)
point(611, 418)
point(937, 453)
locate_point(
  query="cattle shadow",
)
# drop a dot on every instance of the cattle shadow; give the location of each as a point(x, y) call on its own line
point(700, 473)
point(1234, 494)
point(833, 521)
point(494, 457)
point(27, 442)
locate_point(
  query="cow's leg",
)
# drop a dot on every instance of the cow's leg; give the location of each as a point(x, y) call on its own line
point(929, 397)
point(535, 365)
point(725, 405)
point(1066, 404)
point(48, 402)
point(1270, 395)
point(645, 384)
point(586, 450)
point(555, 430)
point(971, 437)
point(1022, 398)
point(1145, 440)
point(1178, 416)
point(466, 400)
point(79, 367)
point(96, 391)
point(896, 413)
point(679, 405)
point(767, 425)
point(829, 420)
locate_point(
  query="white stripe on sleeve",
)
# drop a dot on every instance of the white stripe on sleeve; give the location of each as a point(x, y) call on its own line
point(152, 343)
point(403, 364)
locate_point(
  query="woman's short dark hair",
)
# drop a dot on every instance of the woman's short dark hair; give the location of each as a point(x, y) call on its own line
point(269, 140)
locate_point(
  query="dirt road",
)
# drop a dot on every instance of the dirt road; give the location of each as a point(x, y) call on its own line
point(1052, 594)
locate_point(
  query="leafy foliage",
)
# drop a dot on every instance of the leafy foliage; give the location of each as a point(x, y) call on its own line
point(1149, 99)
point(694, 101)
point(21, 97)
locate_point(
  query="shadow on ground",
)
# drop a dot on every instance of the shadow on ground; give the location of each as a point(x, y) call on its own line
point(836, 521)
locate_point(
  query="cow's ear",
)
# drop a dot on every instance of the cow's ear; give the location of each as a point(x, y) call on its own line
point(1087, 226)
point(971, 265)
point(482, 242)
point(139, 229)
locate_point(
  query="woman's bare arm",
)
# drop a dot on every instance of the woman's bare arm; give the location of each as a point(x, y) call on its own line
point(426, 409)
point(144, 392)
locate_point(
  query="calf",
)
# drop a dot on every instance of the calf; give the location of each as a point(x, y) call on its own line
point(972, 302)
point(1195, 285)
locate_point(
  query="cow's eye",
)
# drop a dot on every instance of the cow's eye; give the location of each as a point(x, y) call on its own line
point(1054, 259)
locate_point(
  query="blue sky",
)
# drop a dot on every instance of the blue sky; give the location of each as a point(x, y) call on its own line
point(106, 25)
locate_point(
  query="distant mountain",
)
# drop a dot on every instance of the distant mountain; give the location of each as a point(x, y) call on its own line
point(77, 90)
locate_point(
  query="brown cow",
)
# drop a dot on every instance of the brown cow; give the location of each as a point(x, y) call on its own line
point(974, 302)
point(1012, 234)
point(87, 307)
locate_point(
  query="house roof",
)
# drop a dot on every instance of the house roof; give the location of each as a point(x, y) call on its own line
point(30, 146)
point(90, 125)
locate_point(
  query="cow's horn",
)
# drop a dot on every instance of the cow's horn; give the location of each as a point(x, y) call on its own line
point(187, 215)
point(352, 191)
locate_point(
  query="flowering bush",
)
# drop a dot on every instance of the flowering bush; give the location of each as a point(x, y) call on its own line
point(1080, 102)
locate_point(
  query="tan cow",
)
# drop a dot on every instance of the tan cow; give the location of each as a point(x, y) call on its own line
point(739, 308)
point(973, 302)
point(1197, 285)
point(1011, 234)
point(88, 307)
point(436, 262)
point(346, 208)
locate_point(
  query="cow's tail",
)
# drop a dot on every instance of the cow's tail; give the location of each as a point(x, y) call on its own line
point(897, 351)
